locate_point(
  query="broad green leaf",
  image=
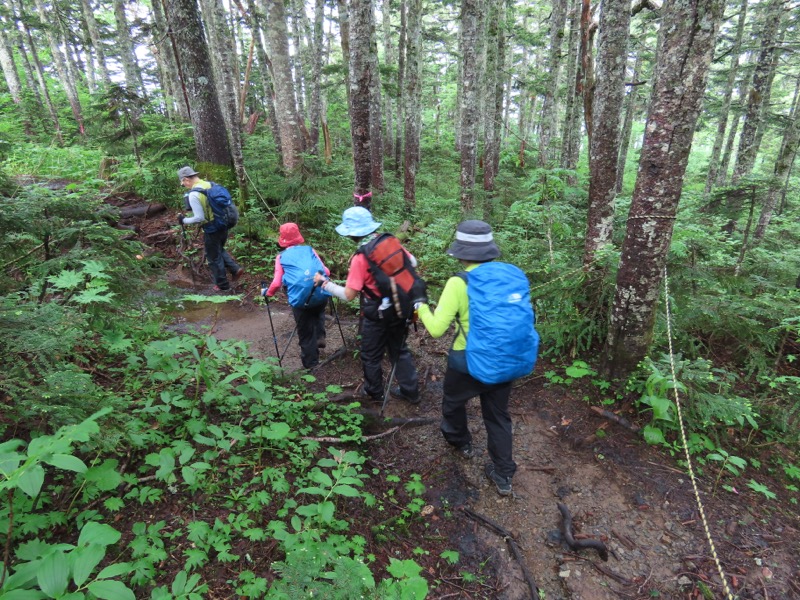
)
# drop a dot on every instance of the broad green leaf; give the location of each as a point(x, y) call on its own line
point(346, 490)
point(653, 435)
point(84, 560)
point(66, 280)
point(98, 533)
point(53, 574)
point(22, 595)
point(107, 589)
point(31, 480)
point(67, 462)
point(104, 475)
point(321, 477)
point(115, 570)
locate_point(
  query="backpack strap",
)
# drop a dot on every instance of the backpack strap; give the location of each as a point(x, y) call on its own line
point(366, 250)
point(459, 329)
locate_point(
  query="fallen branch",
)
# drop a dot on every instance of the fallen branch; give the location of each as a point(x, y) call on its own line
point(566, 530)
point(141, 210)
point(511, 544)
point(365, 438)
point(331, 358)
point(616, 418)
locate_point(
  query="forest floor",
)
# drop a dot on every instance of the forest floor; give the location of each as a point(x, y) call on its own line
point(632, 496)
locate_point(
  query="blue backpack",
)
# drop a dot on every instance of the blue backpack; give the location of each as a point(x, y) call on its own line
point(502, 342)
point(300, 263)
point(222, 206)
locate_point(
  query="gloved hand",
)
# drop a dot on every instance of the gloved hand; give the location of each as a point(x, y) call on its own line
point(180, 219)
point(419, 293)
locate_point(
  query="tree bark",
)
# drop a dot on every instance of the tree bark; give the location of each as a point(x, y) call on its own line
point(315, 106)
point(627, 126)
point(344, 35)
point(97, 43)
point(61, 66)
point(265, 66)
point(783, 165)
point(375, 118)
point(470, 20)
point(686, 45)
point(413, 97)
point(210, 137)
point(547, 151)
point(609, 92)
point(285, 107)
point(493, 110)
point(133, 74)
point(163, 45)
point(724, 111)
point(8, 64)
point(360, 86)
point(389, 61)
point(571, 139)
point(759, 89)
point(401, 72)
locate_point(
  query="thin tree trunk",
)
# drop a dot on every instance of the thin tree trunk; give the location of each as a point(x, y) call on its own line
point(724, 112)
point(413, 101)
point(315, 106)
point(568, 138)
point(265, 67)
point(61, 67)
point(97, 43)
point(627, 126)
point(401, 72)
point(133, 74)
point(389, 61)
point(686, 45)
point(360, 82)
point(297, 59)
point(8, 64)
point(344, 34)
point(762, 77)
point(470, 20)
point(783, 167)
point(547, 150)
point(375, 118)
point(491, 144)
point(609, 93)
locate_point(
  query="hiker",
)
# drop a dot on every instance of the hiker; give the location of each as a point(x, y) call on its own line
point(294, 269)
point(473, 246)
point(379, 333)
point(215, 233)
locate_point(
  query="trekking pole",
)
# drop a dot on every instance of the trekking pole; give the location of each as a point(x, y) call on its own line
point(394, 369)
point(271, 326)
point(336, 316)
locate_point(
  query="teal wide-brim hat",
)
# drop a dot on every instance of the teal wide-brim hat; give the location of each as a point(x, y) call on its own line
point(357, 222)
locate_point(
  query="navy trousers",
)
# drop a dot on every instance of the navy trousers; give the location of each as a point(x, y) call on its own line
point(378, 337)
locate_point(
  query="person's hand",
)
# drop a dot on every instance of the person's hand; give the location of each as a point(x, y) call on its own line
point(419, 293)
point(180, 219)
point(319, 278)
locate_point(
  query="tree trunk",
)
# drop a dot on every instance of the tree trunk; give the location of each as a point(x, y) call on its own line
point(315, 106)
point(133, 74)
point(344, 34)
point(469, 102)
point(97, 43)
point(762, 77)
point(547, 150)
point(163, 44)
point(493, 80)
point(360, 82)
point(401, 72)
point(297, 60)
point(210, 137)
point(413, 97)
point(389, 61)
point(627, 126)
point(724, 111)
point(375, 119)
point(61, 67)
point(686, 45)
point(285, 108)
point(221, 39)
point(571, 139)
point(727, 154)
point(8, 64)
point(265, 67)
point(783, 165)
point(609, 92)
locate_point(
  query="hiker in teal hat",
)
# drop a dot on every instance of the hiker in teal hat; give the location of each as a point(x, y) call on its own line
point(378, 335)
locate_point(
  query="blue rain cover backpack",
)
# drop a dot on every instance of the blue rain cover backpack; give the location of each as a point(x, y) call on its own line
point(222, 206)
point(502, 342)
point(299, 265)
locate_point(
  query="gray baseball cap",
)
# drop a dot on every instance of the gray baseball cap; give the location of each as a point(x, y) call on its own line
point(186, 172)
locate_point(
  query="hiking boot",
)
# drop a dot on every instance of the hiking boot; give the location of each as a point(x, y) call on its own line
point(466, 451)
point(396, 392)
point(321, 342)
point(221, 289)
point(503, 484)
point(238, 275)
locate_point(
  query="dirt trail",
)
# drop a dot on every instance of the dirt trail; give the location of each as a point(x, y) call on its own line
point(617, 488)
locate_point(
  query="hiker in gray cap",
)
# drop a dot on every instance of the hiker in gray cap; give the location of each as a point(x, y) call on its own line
point(215, 233)
point(474, 245)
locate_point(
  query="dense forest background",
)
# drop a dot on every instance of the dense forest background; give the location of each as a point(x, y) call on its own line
point(630, 157)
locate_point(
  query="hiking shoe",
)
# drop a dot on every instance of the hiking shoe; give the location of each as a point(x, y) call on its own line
point(396, 392)
point(237, 276)
point(219, 289)
point(321, 343)
point(503, 484)
point(466, 451)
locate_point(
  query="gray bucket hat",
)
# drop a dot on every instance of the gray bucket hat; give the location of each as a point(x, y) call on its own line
point(474, 242)
point(357, 222)
point(186, 172)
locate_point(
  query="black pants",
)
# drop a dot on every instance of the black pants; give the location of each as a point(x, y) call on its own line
point(378, 337)
point(458, 389)
point(310, 331)
point(218, 258)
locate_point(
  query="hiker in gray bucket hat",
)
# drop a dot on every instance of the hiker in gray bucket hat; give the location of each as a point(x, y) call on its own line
point(474, 245)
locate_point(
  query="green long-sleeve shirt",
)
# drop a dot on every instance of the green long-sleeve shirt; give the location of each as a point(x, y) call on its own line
point(453, 305)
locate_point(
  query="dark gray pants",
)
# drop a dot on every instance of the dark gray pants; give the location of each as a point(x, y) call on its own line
point(310, 330)
point(218, 258)
point(458, 389)
point(378, 337)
